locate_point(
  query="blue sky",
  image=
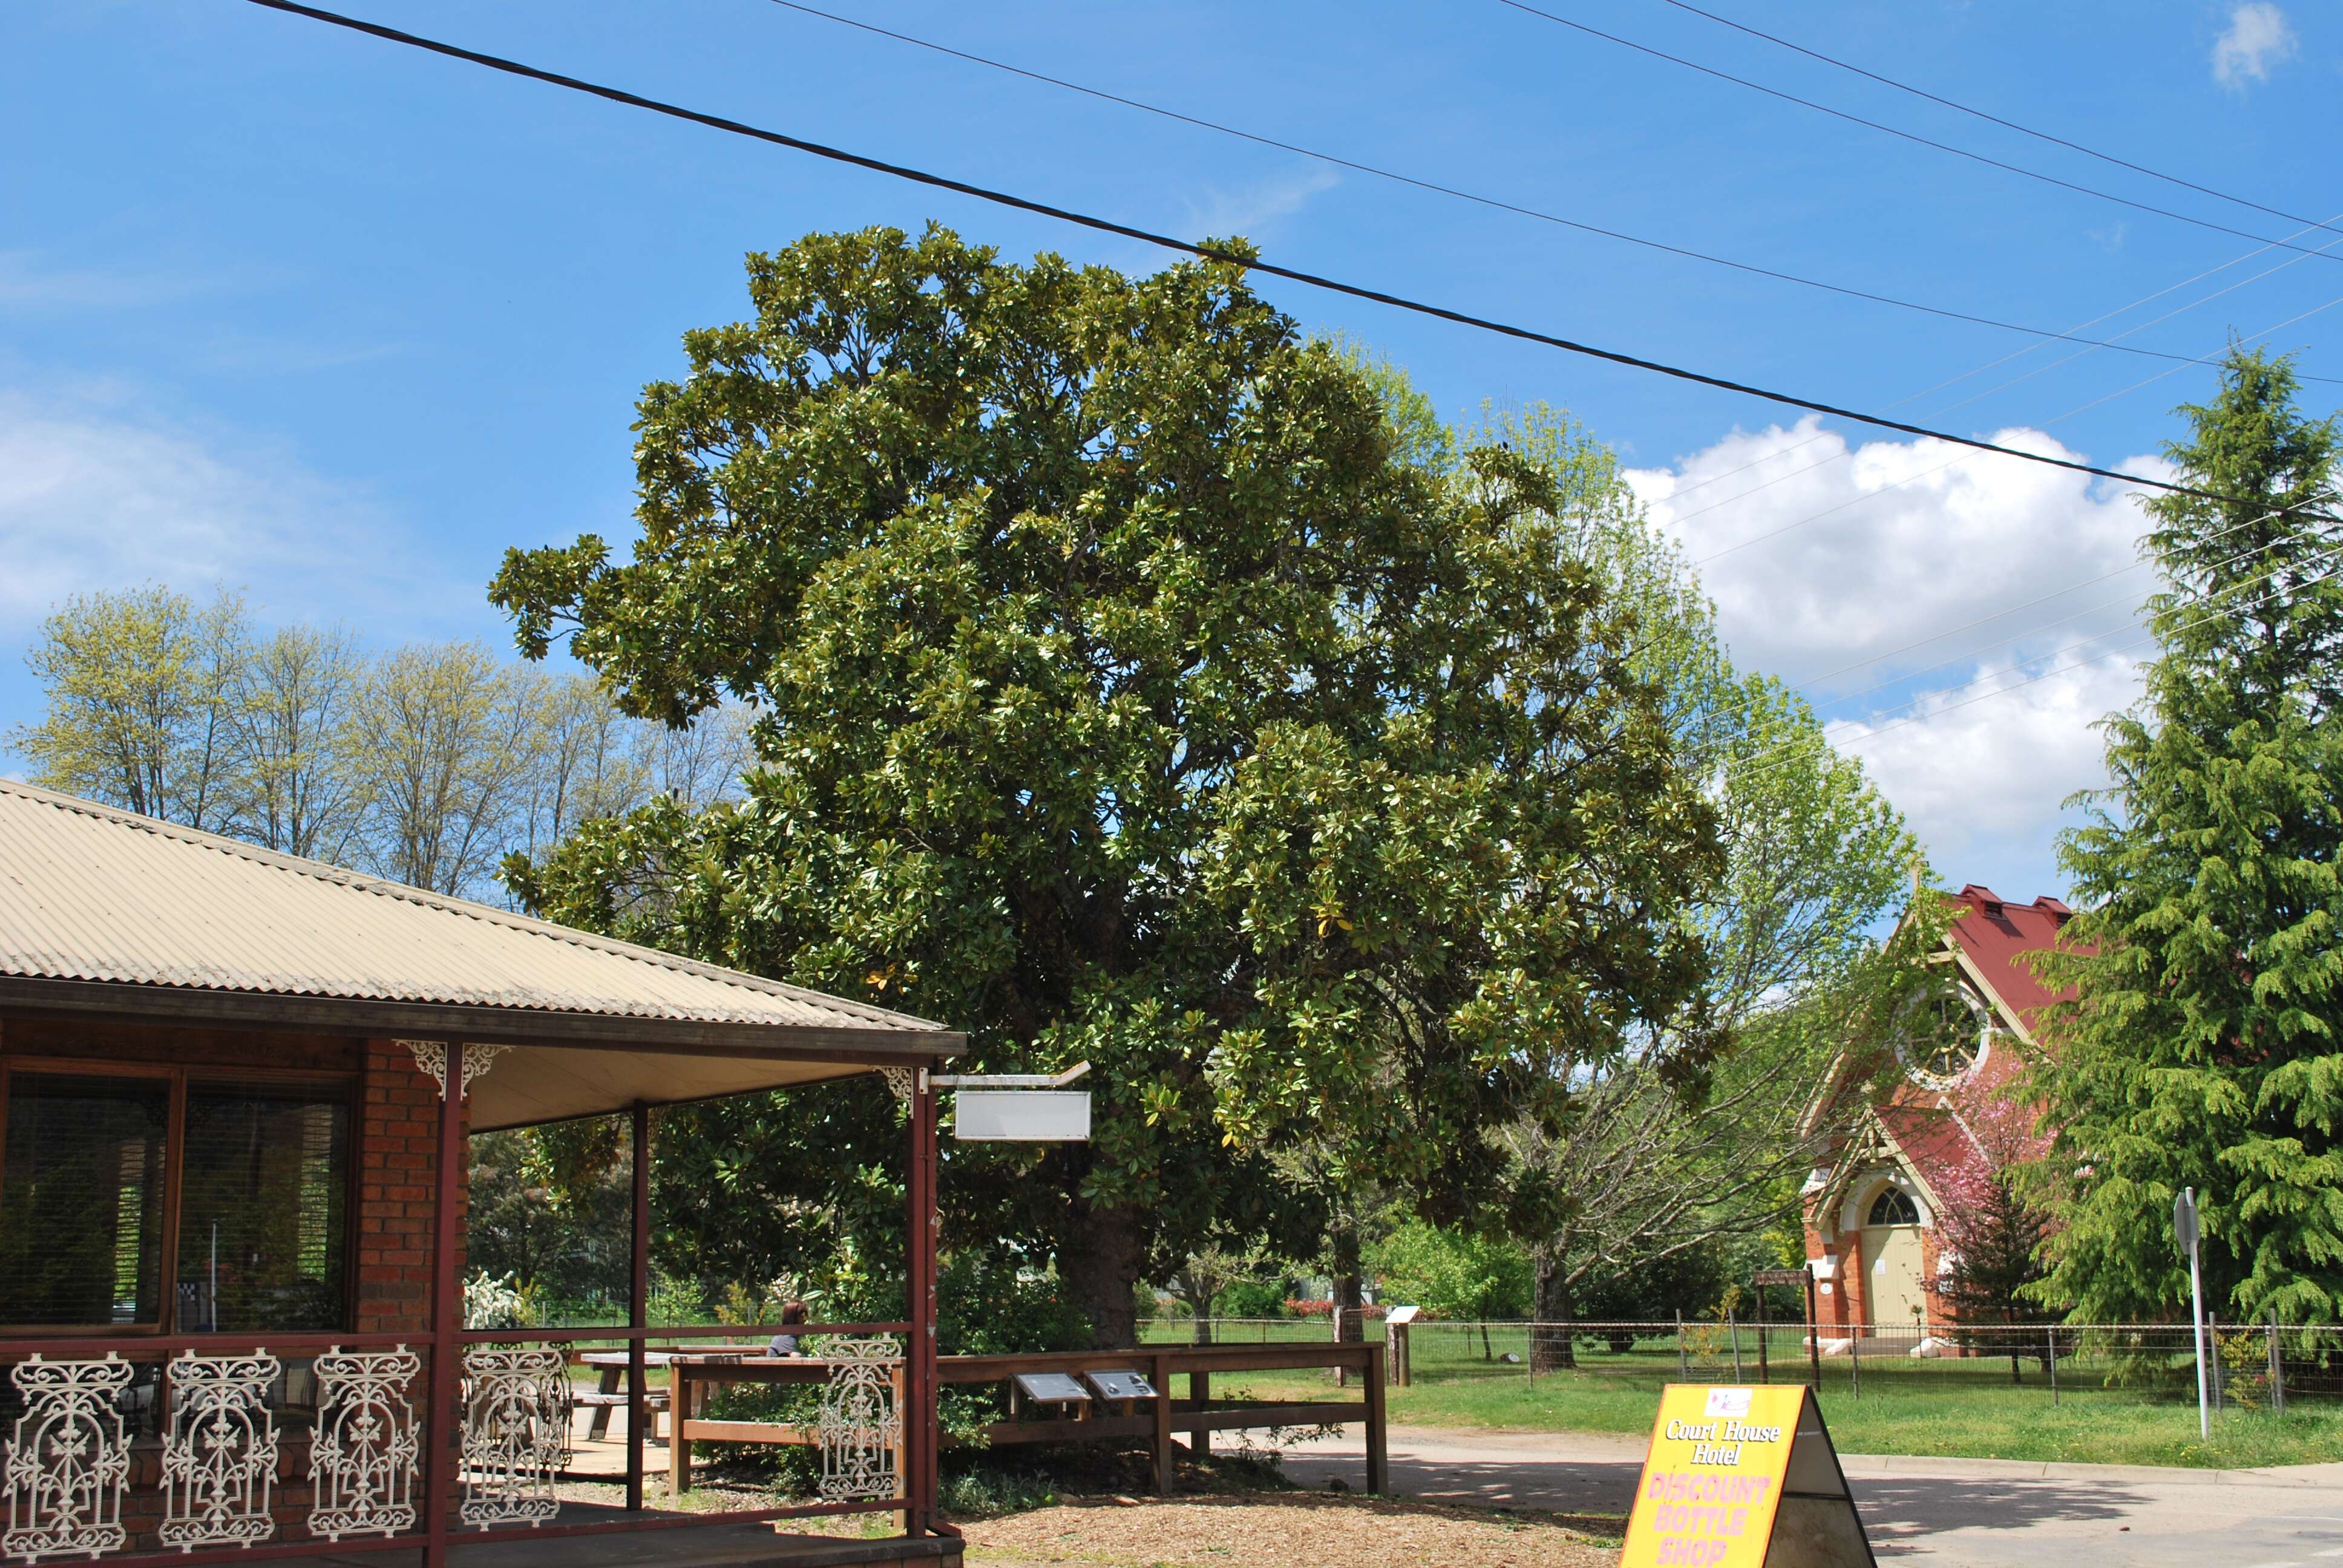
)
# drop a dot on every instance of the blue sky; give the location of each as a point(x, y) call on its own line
point(336, 322)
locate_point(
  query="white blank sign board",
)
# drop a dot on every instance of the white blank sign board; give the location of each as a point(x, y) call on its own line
point(1021, 1115)
point(1402, 1315)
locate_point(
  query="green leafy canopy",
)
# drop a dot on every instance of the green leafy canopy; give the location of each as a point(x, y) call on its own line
point(1130, 689)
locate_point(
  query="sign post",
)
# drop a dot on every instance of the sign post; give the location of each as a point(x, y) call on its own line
point(1743, 1477)
point(2184, 1227)
point(1793, 1277)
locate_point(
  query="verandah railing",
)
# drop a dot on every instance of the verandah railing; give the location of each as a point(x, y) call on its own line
point(211, 1447)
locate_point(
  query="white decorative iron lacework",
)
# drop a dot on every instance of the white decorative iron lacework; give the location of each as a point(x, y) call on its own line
point(516, 1434)
point(431, 1056)
point(861, 1425)
point(219, 1452)
point(901, 1083)
point(69, 1459)
point(362, 1457)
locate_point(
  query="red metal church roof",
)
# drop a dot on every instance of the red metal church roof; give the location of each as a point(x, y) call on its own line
point(1996, 935)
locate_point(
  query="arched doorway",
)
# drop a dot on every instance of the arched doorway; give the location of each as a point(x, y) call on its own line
point(1893, 1296)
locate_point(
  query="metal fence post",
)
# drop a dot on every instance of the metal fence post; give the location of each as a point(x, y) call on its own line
point(1733, 1328)
point(2277, 1368)
point(1854, 1360)
point(1684, 1367)
point(1813, 1331)
point(2050, 1345)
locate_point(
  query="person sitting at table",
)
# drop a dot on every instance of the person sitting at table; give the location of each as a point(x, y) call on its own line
point(785, 1344)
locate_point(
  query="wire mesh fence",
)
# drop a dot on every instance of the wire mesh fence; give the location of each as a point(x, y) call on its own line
point(2248, 1366)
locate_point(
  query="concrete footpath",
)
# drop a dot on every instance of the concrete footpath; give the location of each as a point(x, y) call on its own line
point(1985, 1513)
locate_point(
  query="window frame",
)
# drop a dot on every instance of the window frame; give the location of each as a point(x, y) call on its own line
point(344, 1087)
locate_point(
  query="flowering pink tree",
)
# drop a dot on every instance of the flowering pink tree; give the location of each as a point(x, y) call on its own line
point(1992, 1233)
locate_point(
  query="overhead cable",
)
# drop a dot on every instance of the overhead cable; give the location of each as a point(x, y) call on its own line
point(1776, 756)
point(1210, 253)
point(1991, 118)
point(1336, 160)
point(2019, 169)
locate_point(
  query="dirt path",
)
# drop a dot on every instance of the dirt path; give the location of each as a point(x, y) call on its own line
point(1277, 1531)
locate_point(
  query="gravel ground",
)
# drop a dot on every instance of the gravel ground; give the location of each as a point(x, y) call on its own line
point(1277, 1531)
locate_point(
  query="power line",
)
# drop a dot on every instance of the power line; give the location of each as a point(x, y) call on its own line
point(1992, 118)
point(2150, 298)
point(2019, 169)
point(1209, 253)
point(2144, 299)
point(1336, 160)
point(1776, 756)
point(2063, 621)
point(1914, 478)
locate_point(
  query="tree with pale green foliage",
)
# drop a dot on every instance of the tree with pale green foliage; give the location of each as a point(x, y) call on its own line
point(142, 698)
point(1698, 1127)
point(1128, 691)
point(2201, 1048)
point(1461, 1274)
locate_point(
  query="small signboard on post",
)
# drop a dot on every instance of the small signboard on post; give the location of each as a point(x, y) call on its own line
point(1743, 1477)
point(1019, 1107)
point(1021, 1116)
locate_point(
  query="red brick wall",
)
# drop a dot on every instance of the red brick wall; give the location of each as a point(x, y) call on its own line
point(395, 1153)
point(398, 1174)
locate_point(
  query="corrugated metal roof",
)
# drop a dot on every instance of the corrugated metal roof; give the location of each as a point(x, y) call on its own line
point(91, 893)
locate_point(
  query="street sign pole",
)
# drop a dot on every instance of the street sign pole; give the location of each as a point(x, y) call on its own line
point(2184, 1227)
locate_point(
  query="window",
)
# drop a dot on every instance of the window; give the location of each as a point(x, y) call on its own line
point(256, 1176)
point(1942, 1035)
point(81, 1205)
point(261, 1210)
point(1894, 1207)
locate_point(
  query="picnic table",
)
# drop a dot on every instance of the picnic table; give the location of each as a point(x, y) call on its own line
point(689, 1375)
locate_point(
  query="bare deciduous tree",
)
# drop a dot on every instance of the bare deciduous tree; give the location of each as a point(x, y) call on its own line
point(292, 705)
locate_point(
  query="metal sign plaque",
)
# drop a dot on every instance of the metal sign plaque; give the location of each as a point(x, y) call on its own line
point(1120, 1384)
point(1051, 1387)
point(1021, 1115)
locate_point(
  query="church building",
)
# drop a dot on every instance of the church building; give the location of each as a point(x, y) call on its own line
point(1873, 1205)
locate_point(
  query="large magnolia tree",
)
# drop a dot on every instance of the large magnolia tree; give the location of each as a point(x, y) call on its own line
point(1128, 691)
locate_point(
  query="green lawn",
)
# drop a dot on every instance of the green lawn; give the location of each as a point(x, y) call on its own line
point(1952, 1407)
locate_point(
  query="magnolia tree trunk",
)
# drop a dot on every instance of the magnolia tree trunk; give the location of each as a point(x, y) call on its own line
point(1350, 1293)
point(1100, 1265)
point(1550, 1348)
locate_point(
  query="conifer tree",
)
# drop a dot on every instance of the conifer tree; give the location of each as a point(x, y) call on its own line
point(2201, 1048)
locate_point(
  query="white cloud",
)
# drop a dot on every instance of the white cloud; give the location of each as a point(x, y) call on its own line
point(30, 281)
point(95, 495)
point(1980, 768)
point(1246, 210)
point(1819, 554)
point(2257, 38)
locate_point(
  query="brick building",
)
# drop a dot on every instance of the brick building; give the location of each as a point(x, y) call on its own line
point(1874, 1205)
point(236, 1089)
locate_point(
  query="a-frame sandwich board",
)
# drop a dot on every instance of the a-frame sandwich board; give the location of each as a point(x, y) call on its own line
point(1743, 1477)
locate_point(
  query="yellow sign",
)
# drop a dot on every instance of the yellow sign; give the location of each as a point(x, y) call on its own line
point(1743, 1477)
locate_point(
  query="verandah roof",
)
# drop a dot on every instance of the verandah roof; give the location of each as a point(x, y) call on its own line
point(105, 912)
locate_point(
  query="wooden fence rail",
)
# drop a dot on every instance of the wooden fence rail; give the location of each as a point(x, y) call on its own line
point(1160, 1421)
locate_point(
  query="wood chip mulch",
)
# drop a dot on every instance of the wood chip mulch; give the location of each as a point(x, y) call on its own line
point(1280, 1531)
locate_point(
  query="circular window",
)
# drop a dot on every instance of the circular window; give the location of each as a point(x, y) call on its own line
point(1941, 1035)
point(1894, 1207)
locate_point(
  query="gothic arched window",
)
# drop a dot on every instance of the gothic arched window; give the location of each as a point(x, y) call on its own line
point(1894, 1207)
